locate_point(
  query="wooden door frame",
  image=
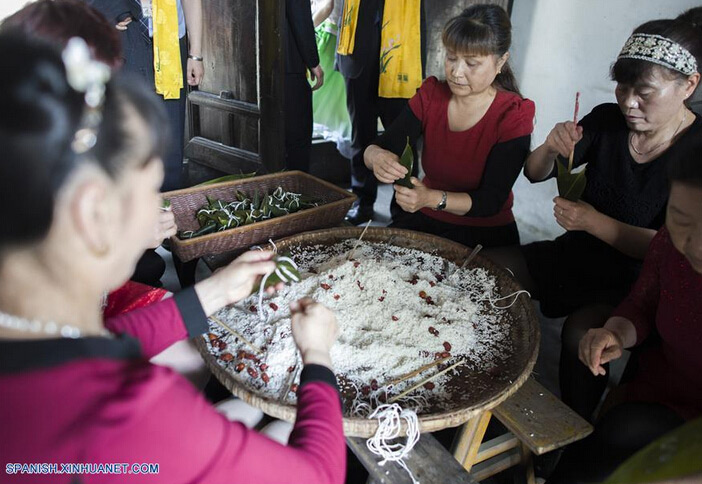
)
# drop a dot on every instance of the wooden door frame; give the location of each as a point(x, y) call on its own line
point(270, 15)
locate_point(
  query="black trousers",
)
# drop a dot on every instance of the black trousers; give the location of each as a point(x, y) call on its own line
point(298, 122)
point(365, 107)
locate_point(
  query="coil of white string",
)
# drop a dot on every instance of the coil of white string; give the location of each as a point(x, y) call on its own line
point(390, 419)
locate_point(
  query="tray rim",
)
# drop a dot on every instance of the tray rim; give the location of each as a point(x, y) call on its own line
point(363, 427)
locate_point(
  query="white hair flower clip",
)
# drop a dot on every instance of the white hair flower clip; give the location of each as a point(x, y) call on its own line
point(85, 74)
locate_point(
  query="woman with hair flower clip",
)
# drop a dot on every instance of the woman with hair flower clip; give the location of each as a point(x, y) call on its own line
point(58, 21)
point(76, 213)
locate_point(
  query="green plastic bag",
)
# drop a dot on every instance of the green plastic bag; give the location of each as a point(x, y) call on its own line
point(676, 455)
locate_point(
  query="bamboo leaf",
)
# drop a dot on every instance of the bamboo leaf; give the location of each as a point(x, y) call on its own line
point(570, 185)
point(407, 160)
point(284, 267)
point(227, 178)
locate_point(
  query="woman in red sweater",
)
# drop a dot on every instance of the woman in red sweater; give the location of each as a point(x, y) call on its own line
point(662, 317)
point(79, 171)
point(477, 131)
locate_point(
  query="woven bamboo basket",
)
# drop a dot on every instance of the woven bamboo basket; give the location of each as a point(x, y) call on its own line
point(478, 392)
point(335, 202)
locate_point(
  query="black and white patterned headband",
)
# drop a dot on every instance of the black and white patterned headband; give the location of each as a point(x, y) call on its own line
point(659, 50)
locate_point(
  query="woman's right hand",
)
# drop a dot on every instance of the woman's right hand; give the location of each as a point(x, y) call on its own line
point(234, 282)
point(385, 164)
point(314, 329)
point(599, 346)
point(562, 138)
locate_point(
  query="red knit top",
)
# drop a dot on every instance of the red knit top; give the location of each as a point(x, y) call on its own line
point(99, 401)
point(455, 160)
point(665, 306)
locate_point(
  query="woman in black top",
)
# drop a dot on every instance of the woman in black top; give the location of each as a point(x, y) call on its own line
point(626, 148)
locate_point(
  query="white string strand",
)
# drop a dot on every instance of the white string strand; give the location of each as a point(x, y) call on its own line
point(390, 419)
point(514, 295)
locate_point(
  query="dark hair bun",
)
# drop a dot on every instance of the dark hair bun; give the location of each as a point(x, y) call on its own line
point(40, 114)
point(692, 16)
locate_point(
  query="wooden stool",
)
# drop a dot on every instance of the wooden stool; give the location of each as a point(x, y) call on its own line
point(429, 462)
point(537, 422)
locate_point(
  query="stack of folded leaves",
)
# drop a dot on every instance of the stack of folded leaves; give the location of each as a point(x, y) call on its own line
point(219, 215)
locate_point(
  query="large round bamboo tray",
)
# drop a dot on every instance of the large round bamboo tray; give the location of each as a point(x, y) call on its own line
point(479, 391)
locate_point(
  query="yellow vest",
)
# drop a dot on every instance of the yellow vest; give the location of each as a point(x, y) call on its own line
point(400, 45)
point(168, 69)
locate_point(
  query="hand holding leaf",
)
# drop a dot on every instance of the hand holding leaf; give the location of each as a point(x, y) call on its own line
point(574, 216)
point(386, 166)
point(407, 161)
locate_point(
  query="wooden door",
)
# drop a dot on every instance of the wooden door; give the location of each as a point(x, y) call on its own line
point(235, 118)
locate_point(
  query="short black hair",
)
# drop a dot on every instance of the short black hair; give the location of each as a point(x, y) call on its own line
point(40, 115)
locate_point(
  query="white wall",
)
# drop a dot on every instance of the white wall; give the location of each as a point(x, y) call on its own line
point(560, 47)
point(10, 6)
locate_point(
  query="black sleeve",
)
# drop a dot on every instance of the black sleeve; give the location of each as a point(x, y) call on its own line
point(602, 116)
point(299, 14)
point(502, 168)
point(321, 373)
point(115, 10)
point(191, 311)
point(395, 137)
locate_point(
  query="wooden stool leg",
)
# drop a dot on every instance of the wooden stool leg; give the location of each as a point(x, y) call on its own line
point(469, 438)
point(528, 464)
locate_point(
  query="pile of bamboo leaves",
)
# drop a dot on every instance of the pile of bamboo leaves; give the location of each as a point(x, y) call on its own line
point(219, 215)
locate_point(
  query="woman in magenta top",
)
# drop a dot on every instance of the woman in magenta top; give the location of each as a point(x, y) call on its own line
point(662, 317)
point(477, 131)
point(78, 198)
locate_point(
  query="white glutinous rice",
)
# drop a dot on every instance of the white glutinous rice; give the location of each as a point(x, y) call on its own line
point(398, 309)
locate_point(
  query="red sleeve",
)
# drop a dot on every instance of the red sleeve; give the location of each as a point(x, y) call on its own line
point(420, 102)
point(641, 305)
point(517, 120)
point(173, 425)
point(161, 324)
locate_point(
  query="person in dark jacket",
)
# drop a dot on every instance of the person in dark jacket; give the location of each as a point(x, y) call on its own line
point(361, 71)
point(137, 41)
point(301, 57)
